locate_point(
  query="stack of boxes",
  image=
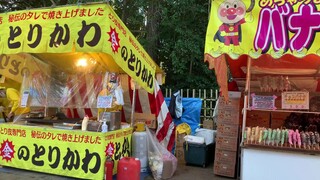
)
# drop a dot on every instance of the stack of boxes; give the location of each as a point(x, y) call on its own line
point(179, 152)
point(208, 124)
point(227, 135)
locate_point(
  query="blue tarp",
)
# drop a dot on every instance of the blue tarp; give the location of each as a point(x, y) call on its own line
point(191, 113)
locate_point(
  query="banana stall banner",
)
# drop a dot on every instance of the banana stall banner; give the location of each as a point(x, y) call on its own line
point(67, 153)
point(84, 28)
point(259, 27)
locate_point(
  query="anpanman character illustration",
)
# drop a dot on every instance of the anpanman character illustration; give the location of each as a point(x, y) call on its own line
point(232, 14)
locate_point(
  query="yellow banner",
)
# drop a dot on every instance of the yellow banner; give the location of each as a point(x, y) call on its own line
point(254, 28)
point(86, 28)
point(16, 66)
point(128, 53)
point(63, 152)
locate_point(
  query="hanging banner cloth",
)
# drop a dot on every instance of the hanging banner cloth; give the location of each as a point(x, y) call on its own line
point(71, 30)
point(254, 28)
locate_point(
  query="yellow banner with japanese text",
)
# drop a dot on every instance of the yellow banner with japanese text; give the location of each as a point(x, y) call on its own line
point(71, 153)
point(16, 66)
point(85, 28)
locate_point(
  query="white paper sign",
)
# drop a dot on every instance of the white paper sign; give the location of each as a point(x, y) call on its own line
point(295, 100)
point(263, 102)
point(104, 101)
point(24, 99)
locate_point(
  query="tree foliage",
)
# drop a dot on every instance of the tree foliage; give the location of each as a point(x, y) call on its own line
point(183, 29)
point(173, 33)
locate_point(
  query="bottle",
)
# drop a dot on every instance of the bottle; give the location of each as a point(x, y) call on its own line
point(108, 168)
point(84, 123)
point(104, 127)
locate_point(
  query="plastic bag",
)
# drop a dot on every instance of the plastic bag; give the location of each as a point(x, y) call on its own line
point(175, 106)
point(119, 96)
point(162, 163)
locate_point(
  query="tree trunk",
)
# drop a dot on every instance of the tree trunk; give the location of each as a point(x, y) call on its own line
point(124, 12)
point(152, 29)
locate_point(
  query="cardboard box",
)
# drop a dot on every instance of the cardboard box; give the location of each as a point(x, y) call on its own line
point(228, 130)
point(148, 119)
point(230, 116)
point(168, 168)
point(226, 156)
point(180, 139)
point(227, 143)
point(179, 153)
point(208, 124)
point(234, 102)
point(224, 169)
point(258, 118)
point(229, 112)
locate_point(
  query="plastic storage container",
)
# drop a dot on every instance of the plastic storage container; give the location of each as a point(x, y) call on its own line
point(207, 134)
point(128, 169)
point(198, 154)
point(194, 139)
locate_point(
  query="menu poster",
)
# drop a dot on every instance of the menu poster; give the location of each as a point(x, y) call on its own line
point(263, 102)
point(295, 100)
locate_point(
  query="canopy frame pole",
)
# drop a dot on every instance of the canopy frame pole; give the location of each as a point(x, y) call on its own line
point(246, 98)
point(133, 104)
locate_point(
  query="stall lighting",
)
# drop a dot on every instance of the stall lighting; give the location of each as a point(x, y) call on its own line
point(82, 63)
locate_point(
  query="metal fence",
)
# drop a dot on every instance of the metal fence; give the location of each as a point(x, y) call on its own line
point(208, 97)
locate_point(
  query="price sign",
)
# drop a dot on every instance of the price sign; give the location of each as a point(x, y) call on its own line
point(24, 99)
point(104, 101)
point(295, 100)
point(263, 102)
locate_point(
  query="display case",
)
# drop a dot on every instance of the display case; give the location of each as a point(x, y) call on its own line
point(281, 120)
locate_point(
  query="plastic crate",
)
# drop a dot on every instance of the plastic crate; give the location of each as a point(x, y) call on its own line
point(198, 154)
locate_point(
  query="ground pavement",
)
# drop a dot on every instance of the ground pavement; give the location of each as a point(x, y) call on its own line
point(183, 173)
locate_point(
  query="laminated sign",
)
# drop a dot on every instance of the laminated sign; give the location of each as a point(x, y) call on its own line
point(295, 100)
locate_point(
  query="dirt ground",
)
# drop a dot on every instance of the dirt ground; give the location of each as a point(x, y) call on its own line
point(183, 173)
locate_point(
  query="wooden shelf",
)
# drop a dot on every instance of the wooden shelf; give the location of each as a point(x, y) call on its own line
point(282, 148)
point(284, 110)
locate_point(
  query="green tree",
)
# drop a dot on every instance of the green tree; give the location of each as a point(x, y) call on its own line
point(182, 37)
point(173, 33)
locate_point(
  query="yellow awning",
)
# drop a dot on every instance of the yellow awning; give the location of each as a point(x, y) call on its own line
point(61, 36)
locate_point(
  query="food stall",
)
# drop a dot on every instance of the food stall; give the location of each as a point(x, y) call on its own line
point(268, 50)
point(61, 58)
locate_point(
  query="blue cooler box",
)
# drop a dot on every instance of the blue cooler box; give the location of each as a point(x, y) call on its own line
point(198, 154)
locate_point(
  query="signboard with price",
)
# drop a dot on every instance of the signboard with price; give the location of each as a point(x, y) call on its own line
point(295, 100)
